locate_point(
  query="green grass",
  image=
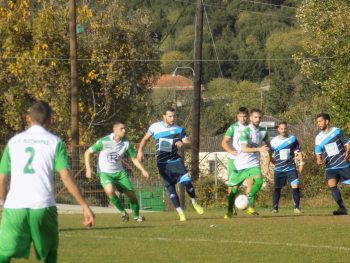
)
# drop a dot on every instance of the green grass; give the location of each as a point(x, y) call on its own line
point(315, 236)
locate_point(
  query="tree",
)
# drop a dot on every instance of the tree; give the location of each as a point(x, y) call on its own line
point(115, 74)
point(326, 60)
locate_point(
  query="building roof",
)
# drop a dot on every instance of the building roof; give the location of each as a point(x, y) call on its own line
point(177, 82)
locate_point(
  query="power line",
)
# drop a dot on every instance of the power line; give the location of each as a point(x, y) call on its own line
point(212, 39)
point(268, 4)
point(238, 9)
point(168, 60)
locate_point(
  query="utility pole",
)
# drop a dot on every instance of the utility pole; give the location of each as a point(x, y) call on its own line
point(74, 84)
point(73, 73)
point(197, 91)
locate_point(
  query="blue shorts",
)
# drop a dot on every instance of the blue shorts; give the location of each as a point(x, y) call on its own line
point(282, 177)
point(341, 174)
point(173, 172)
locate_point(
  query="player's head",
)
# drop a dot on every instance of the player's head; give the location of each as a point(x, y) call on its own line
point(119, 129)
point(282, 128)
point(169, 115)
point(39, 113)
point(322, 121)
point(242, 115)
point(255, 117)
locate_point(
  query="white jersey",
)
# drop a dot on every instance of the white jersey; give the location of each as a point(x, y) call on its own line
point(31, 158)
point(253, 138)
point(111, 153)
point(234, 132)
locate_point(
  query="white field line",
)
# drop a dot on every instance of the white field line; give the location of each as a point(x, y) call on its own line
point(243, 242)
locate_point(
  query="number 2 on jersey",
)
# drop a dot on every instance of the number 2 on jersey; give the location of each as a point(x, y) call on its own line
point(28, 169)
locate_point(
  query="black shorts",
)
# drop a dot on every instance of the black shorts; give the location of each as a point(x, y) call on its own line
point(173, 172)
point(282, 177)
point(341, 174)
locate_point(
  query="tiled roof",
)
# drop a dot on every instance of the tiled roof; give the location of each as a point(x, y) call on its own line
point(177, 82)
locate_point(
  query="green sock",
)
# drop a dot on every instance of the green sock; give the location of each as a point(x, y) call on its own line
point(51, 257)
point(135, 209)
point(231, 199)
point(116, 202)
point(255, 189)
point(4, 259)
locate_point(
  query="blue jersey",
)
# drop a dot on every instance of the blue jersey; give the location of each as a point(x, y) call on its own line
point(331, 146)
point(284, 150)
point(166, 137)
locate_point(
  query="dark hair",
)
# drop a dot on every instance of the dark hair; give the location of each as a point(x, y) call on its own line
point(255, 110)
point(243, 110)
point(324, 116)
point(282, 123)
point(118, 122)
point(168, 108)
point(40, 112)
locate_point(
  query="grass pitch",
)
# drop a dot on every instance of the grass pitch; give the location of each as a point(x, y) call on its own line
point(315, 236)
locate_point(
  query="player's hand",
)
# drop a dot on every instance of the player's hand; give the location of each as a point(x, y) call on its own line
point(300, 169)
point(140, 156)
point(89, 217)
point(347, 156)
point(264, 148)
point(179, 144)
point(234, 152)
point(145, 174)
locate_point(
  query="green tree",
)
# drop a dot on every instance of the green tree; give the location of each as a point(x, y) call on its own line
point(114, 73)
point(325, 60)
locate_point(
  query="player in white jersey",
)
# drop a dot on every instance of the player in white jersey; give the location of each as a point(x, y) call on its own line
point(253, 142)
point(231, 144)
point(30, 215)
point(332, 149)
point(110, 170)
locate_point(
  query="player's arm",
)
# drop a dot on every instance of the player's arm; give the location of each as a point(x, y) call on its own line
point(346, 142)
point(87, 158)
point(97, 147)
point(245, 147)
point(5, 171)
point(318, 152)
point(3, 192)
point(347, 152)
point(300, 160)
point(132, 154)
point(227, 146)
point(142, 145)
point(74, 190)
point(139, 166)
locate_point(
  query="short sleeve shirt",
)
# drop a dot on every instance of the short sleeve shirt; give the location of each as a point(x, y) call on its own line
point(111, 153)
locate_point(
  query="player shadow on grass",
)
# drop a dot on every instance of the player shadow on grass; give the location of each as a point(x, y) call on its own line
point(102, 228)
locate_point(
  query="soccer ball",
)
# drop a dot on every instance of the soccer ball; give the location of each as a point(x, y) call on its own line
point(242, 202)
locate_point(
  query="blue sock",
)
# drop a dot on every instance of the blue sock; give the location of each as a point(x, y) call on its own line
point(173, 195)
point(337, 196)
point(276, 197)
point(296, 197)
point(190, 189)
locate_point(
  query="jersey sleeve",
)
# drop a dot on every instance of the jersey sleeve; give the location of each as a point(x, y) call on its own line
point(183, 134)
point(244, 137)
point(344, 138)
point(131, 151)
point(97, 147)
point(297, 147)
point(318, 148)
point(151, 130)
point(5, 164)
point(230, 132)
point(61, 159)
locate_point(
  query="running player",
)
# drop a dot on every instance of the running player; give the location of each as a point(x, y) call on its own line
point(334, 146)
point(285, 149)
point(169, 138)
point(230, 143)
point(110, 170)
point(248, 161)
point(30, 213)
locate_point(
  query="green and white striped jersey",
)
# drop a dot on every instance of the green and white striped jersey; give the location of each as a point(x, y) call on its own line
point(111, 153)
point(234, 132)
point(30, 158)
point(253, 138)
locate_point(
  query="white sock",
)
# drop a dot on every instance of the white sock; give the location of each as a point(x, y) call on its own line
point(193, 200)
point(179, 209)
